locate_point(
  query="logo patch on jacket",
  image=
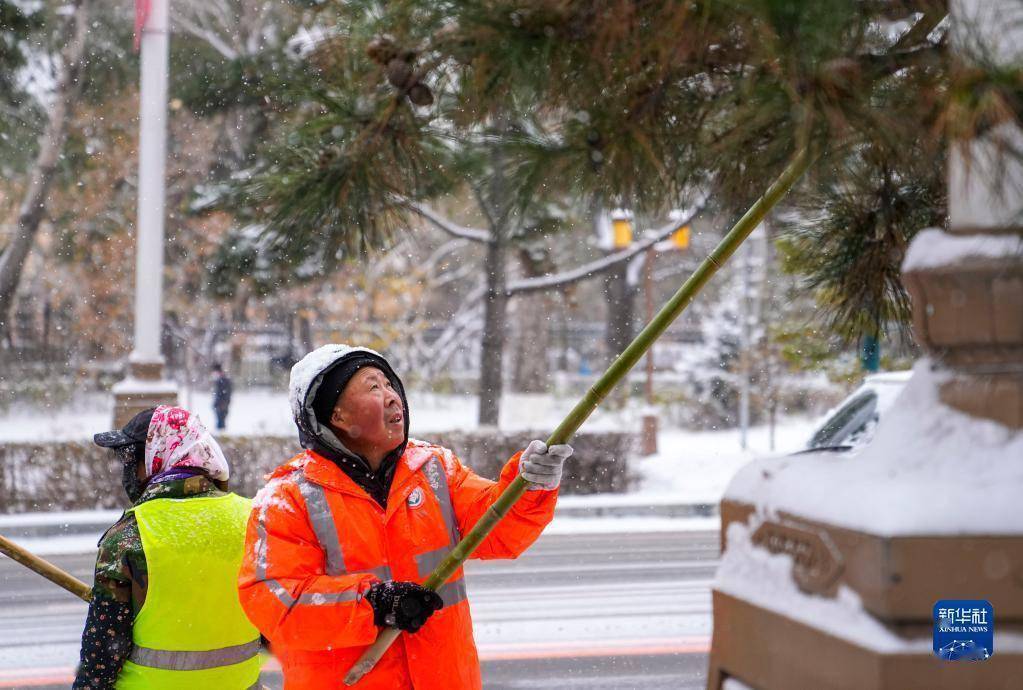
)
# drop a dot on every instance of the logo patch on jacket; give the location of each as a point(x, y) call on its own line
point(415, 499)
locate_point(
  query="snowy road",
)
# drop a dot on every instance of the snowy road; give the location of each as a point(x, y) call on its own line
point(595, 611)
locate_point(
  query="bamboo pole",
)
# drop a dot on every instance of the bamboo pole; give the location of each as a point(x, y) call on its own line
point(46, 569)
point(585, 407)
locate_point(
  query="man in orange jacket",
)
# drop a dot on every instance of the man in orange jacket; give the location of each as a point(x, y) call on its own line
point(342, 535)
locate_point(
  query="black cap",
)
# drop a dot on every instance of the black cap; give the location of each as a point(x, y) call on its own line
point(135, 431)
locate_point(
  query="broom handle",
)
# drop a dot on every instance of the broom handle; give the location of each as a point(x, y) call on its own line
point(48, 570)
point(585, 407)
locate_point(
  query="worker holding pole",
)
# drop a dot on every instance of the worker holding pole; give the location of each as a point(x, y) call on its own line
point(305, 522)
point(164, 610)
point(343, 535)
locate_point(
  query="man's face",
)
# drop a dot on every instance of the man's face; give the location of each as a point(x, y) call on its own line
point(369, 413)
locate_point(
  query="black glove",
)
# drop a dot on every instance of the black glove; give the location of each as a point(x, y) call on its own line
point(402, 605)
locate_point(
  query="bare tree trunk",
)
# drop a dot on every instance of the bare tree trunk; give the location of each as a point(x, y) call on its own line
point(620, 298)
point(532, 342)
point(495, 314)
point(305, 335)
point(495, 326)
point(532, 337)
point(51, 143)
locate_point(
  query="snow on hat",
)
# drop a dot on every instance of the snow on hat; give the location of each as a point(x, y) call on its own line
point(177, 438)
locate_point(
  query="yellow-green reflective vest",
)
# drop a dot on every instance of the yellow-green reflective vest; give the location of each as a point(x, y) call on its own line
point(191, 632)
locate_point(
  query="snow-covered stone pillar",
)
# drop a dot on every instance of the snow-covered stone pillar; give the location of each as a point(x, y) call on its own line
point(834, 564)
point(144, 386)
point(967, 283)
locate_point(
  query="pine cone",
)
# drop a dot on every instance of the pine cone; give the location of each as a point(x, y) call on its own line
point(399, 74)
point(420, 94)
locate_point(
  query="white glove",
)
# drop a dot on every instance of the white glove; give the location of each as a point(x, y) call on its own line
point(541, 466)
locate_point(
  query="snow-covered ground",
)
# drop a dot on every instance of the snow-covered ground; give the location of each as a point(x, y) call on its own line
point(696, 466)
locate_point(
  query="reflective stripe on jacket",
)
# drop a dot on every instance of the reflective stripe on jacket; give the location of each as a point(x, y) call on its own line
point(316, 542)
point(191, 632)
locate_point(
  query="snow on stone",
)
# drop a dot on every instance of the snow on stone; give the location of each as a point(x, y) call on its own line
point(134, 386)
point(929, 470)
point(756, 575)
point(934, 248)
point(764, 579)
point(734, 684)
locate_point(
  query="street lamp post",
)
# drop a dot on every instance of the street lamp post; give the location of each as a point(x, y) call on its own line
point(616, 233)
point(648, 436)
point(679, 242)
point(144, 385)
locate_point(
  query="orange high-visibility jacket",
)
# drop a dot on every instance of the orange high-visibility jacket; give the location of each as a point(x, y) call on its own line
point(316, 542)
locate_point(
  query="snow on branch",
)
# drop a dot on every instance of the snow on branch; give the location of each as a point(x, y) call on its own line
point(448, 226)
point(196, 20)
point(205, 34)
point(605, 264)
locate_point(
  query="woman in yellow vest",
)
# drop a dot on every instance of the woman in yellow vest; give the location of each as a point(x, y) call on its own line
point(165, 612)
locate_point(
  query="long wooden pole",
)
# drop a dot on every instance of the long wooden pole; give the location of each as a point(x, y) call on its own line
point(585, 407)
point(46, 569)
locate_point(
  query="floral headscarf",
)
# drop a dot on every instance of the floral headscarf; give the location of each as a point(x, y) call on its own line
point(177, 438)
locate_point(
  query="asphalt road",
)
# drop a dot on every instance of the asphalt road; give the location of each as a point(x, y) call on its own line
point(596, 611)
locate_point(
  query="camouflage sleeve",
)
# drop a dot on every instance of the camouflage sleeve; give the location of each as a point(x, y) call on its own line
point(107, 638)
point(121, 564)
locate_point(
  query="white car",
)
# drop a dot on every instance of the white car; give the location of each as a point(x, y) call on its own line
point(852, 423)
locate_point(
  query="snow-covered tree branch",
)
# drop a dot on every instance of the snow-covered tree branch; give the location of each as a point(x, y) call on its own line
point(599, 266)
point(204, 33)
point(448, 226)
